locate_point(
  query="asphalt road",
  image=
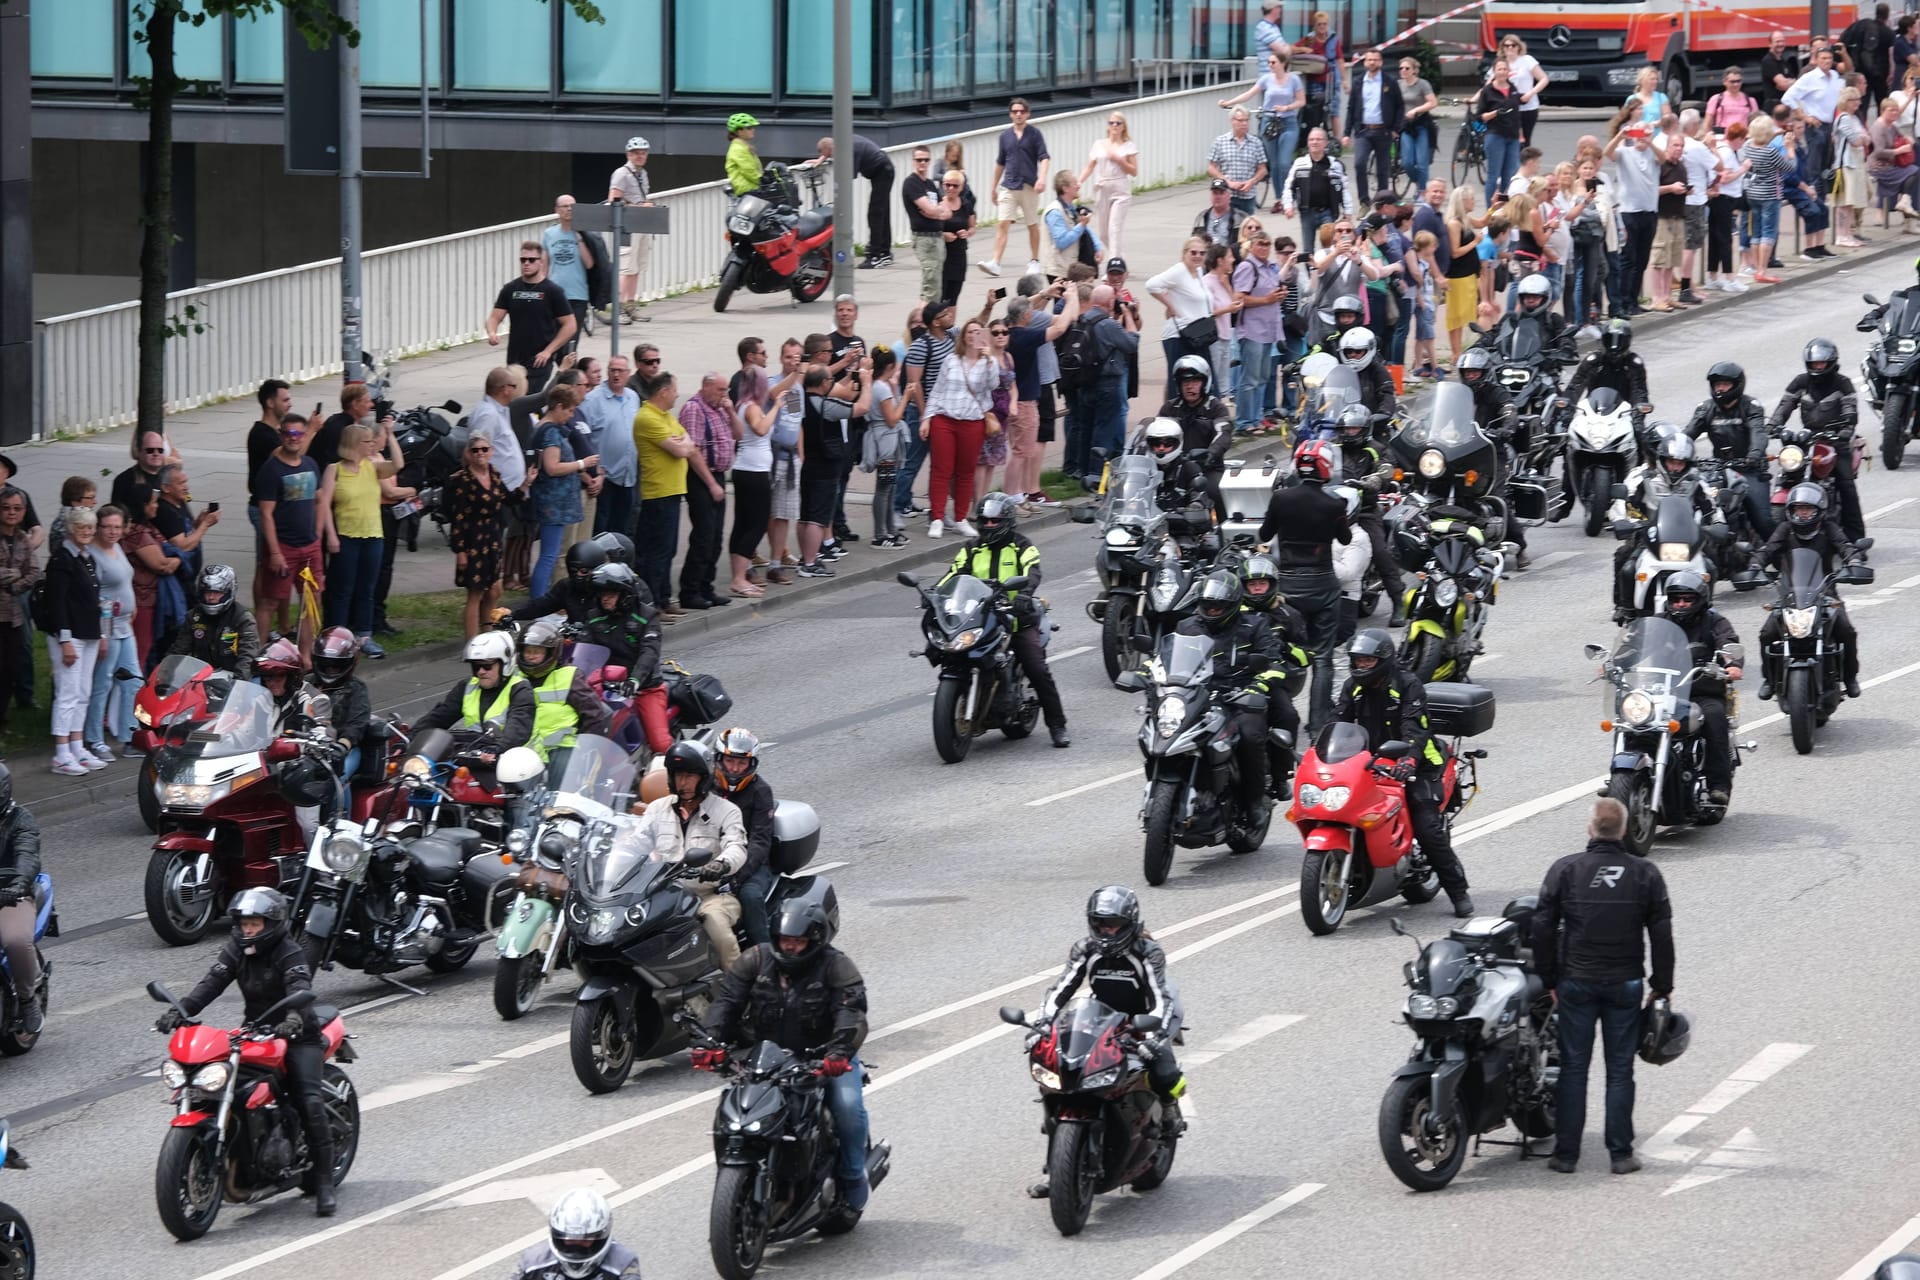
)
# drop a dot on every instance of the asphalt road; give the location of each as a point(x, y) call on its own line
point(961, 886)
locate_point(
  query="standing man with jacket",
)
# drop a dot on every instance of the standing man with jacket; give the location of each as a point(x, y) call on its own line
point(1376, 113)
point(1316, 188)
point(1303, 522)
point(1595, 906)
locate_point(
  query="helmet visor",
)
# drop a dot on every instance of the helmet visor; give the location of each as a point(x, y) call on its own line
point(1819, 368)
point(1803, 513)
point(1363, 664)
point(1161, 446)
point(1107, 926)
point(579, 1248)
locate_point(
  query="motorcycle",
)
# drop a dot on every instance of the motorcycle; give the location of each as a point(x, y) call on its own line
point(1602, 447)
point(1659, 756)
point(236, 1134)
point(773, 246)
point(1330, 386)
point(177, 691)
point(1444, 460)
point(17, 1253)
point(1448, 602)
point(1805, 666)
point(1133, 539)
point(15, 1040)
point(969, 632)
point(1529, 374)
point(1890, 372)
point(1488, 1051)
point(1672, 541)
point(432, 439)
point(1352, 816)
point(1103, 1120)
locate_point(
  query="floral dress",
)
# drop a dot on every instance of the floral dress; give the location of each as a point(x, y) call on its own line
point(993, 448)
point(473, 526)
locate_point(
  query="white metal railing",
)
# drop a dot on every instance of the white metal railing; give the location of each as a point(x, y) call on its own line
point(1153, 76)
point(429, 294)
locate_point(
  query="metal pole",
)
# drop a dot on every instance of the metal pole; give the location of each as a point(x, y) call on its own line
point(351, 338)
point(843, 216)
point(615, 243)
point(1818, 21)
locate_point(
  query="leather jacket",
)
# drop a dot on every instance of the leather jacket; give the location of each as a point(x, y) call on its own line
point(231, 644)
point(1247, 654)
point(1626, 374)
point(541, 1263)
point(820, 1007)
point(1395, 709)
point(1133, 982)
point(266, 977)
point(1829, 409)
point(1739, 434)
point(19, 854)
point(1206, 424)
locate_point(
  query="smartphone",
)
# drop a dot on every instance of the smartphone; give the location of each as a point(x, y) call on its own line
point(996, 294)
point(1593, 184)
point(213, 506)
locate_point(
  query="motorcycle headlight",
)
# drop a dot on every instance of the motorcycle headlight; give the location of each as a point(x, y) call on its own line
point(1102, 1079)
point(967, 639)
point(1335, 797)
point(1427, 1008)
point(637, 913)
point(1445, 592)
point(1309, 796)
point(173, 1075)
point(211, 1078)
point(1433, 464)
point(1636, 708)
point(1122, 539)
point(1675, 553)
point(602, 923)
point(1792, 457)
point(198, 795)
point(1799, 622)
point(1047, 1079)
point(1906, 346)
point(417, 767)
point(517, 841)
point(1169, 715)
point(140, 714)
point(342, 853)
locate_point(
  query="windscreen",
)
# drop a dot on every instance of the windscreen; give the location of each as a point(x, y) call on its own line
point(594, 779)
point(1340, 740)
point(1676, 521)
point(1450, 420)
point(238, 718)
point(1186, 659)
point(1805, 578)
point(174, 672)
point(1650, 654)
point(630, 862)
point(1340, 388)
point(1604, 401)
point(1522, 342)
point(960, 597)
point(1131, 489)
point(1083, 1024)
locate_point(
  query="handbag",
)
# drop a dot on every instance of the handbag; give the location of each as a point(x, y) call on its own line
point(1903, 154)
point(1273, 126)
point(1200, 335)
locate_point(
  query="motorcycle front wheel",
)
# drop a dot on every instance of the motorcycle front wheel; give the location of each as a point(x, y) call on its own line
point(602, 1052)
point(1160, 1169)
point(1116, 635)
point(1073, 1171)
point(1893, 439)
point(1419, 1159)
point(187, 1183)
point(146, 794)
point(950, 727)
point(730, 277)
point(736, 1224)
point(180, 909)
point(16, 1245)
point(516, 985)
point(1635, 790)
point(1599, 498)
point(1800, 709)
point(1162, 803)
point(1324, 891)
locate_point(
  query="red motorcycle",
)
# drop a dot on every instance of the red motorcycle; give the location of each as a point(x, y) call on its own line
point(177, 690)
point(236, 1133)
point(1352, 814)
point(774, 246)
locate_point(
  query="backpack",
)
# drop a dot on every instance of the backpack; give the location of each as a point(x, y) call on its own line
point(37, 603)
point(1078, 353)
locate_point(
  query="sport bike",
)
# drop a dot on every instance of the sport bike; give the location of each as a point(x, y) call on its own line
point(968, 627)
point(1448, 601)
point(16, 1238)
point(1806, 666)
point(1601, 449)
point(1671, 540)
point(176, 691)
point(1890, 372)
point(773, 246)
point(15, 1039)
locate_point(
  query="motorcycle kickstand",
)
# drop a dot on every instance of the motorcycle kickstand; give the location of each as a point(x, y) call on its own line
point(392, 981)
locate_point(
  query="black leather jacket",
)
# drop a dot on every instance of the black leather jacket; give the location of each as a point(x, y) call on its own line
point(1206, 424)
point(1303, 522)
point(540, 1263)
point(1830, 409)
point(1133, 982)
point(1247, 654)
point(265, 977)
point(19, 855)
point(232, 644)
point(352, 709)
point(818, 1008)
point(1829, 539)
point(1739, 434)
point(632, 641)
point(1396, 709)
point(1626, 374)
point(755, 802)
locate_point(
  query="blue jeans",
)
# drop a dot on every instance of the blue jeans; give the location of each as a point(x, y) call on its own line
point(115, 694)
point(1503, 161)
point(1253, 393)
point(1766, 221)
point(656, 537)
point(615, 512)
point(551, 535)
point(846, 1101)
point(916, 458)
point(1615, 1008)
point(1311, 220)
point(1280, 151)
point(352, 572)
point(1416, 154)
point(1106, 408)
point(1397, 346)
point(752, 893)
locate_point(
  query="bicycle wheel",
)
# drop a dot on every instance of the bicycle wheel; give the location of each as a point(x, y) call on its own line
point(1469, 158)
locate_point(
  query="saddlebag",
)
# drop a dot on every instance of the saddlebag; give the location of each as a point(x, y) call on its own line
point(701, 699)
point(1459, 710)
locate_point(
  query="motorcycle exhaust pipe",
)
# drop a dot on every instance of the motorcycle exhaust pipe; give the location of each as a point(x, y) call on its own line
point(879, 1163)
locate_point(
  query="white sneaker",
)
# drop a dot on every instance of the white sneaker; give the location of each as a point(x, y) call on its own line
point(88, 761)
point(934, 528)
point(991, 267)
point(965, 529)
point(1588, 333)
point(1033, 266)
point(69, 769)
point(1736, 286)
point(1746, 268)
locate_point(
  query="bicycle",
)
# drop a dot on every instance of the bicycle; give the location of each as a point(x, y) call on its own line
point(1470, 148)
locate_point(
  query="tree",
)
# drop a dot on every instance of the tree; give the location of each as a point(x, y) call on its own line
point(156, 22)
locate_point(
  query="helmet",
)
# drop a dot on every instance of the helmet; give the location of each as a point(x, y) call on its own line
point(334, 655)
point(1688, 595)
point(1357, 347)
point(689, 757)
point(1675, 446)
point(491, 646)
point(1348, 305)
point(1729, 372)
point(580, 1229)
point(637, 143)
point(306, 782)
point(213, 590)
point(1617, 338)
point(269, 905)
point(545, 637)
point(281, 659)
point(1355, 423)
point(1806, 507)
point(1475, 365)
point(1901, 1266)
point(614, 576)
point(618, 546)
point(1535, 294)
point(1374, 644)
point(741, 120)
point(583, 558)
point(1313, 461)
point(1220, 597)
point(737, 744)
point(517, 768)
point(1664, 1034)
point(997, 518)
point(1260, 582)
point(1187, 368)
point(1113, 919)
point(807, 918)
point(6, 791)
point(1165, 440)
point(1821, 358)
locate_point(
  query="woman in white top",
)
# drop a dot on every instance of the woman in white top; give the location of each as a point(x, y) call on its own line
point(955, 426)
point(1180, 290)
point(752, 476)
point(115, 572)
point(1529, 80)
point(1218, 279)
point(1113, 163)
point(1726, 200)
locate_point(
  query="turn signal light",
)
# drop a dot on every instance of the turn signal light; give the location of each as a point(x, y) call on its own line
point(1606, 726)
point(1473, 478)
point(1673, 726)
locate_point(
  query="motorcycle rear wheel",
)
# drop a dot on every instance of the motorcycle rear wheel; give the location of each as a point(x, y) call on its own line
point(1324, 896)
point(602, 1054)
point(516, 986)
point(1599, 498)
point(16, 1245)
point(342, 1104)
point(452, 958)
point(730, 277)
point(1635, 790)
point(1248, 839)
point(1424, 655)
point(1161, 804)
point(950, 736)
point(1800, 709)
point(1893, 438)
point(174, 920)
point(1024, 720)
point(1073, 1171)
point(810, 290)
point(187, 1187)
point(1161, 1168)
point(1421, 1162)
point(736, 1224)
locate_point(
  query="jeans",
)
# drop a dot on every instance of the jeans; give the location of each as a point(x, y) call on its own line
point(886, 521)
point(1402, 327)
point(1279, 150)
point(1253, 393)
point(551, 536)
point(1615, 1007)
point(1634, 253)
point(1416, 153)
point(1106, 407)
point(916, 458)
point(1373, 143)
point(752, 893)
point(615, 509)
point(351, 577)
point(1759, 502)
point(1077, 457)
point(656, 536)
point(1311, 220)
point(110, 708)
point(846, 1100)
point(1589, 278)
point(1503, 161)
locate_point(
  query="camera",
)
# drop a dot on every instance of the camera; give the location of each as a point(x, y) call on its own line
point(383, 409)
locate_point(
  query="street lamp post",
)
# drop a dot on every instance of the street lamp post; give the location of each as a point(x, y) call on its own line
point(843, 148)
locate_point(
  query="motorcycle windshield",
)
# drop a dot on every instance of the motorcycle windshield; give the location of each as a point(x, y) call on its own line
point(596, 779)
point(1805, 579)
point(1443, 966)
point(627, 863)
point(1604, 401)
point(238, 718)
point(1450, 421)
point(1675, 524)
point(1132, 487)
point(589, 658)
point(174, 673)
point(1522, 342)
point(961, 601)
point(1650, 656)
point(1089, 1035)
point(1186, 660)
point(1902, 321)
point(1340, 388)
point(1340, 740)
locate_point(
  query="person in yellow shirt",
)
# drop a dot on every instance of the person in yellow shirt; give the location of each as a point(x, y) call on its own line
point(743, 162)
point(664, 448)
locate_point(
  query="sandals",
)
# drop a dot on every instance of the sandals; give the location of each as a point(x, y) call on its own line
point(751, 593)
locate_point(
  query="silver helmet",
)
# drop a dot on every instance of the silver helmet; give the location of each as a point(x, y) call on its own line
point(580, 1229)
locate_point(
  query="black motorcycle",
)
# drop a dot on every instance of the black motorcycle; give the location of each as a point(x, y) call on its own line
point(1487, 1054)
point(1890, 371)
point(1190, 743)
point(1445, 459)
point(1145, 576)
point(16, 1238)
point(432, 441)
point(1804, 667)
point(969, 632)
point(1530, 376)
point(1103, 1120)
point(1447, 605)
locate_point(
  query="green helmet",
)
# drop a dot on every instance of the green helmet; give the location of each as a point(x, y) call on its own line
point(741, 120)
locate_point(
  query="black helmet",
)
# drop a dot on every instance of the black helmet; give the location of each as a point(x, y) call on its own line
point(583, 558)
point(1113, 919)
point(1821, 358)
point(997, 518)
point(614, 576)
point(1373, 647)
point(1354, 424)
point(269, 905)
point(1535, 294)
point(214, 590)
point(737, 744)
point(1617, 338)
point(805, 917)
point(1475, 365)
point(689, 757)
point(1260, 582)
point(1220, 596)
point(1665, 1033)
point(1901, 1266)
point(334, 656)
point(1732, 374)
point(545, 637)
point(1806, 507)
point(1688, 596)
point(618, 546)
point(6, 791)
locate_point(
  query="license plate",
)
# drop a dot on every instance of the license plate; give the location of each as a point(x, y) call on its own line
point(1559, 74)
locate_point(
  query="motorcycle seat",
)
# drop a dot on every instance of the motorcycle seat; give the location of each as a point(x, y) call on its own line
point(465, 839)
point(436, 861)
point(813, 222)
point(321, 1014)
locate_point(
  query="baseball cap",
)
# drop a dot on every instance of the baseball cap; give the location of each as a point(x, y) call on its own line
point(637, 143)
point(1116, 263)
point(1219, 184)
point(1371, 223)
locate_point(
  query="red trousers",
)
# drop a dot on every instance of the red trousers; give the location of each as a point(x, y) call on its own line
point(953, 451)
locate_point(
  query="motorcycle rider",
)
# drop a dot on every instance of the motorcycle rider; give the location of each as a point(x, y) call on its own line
point(1391, 704)
point(1828, 407)
point(1206, 421)
point(334, 657)
point(1671, 473)
point(738, 779)
point(1000, 554)
point(1357, 349)
point(1347, 314)
point(1122, 967)
point(579, 1244)
point(218, 630)
point(19, 912)
point(809, 998)
point(1534, 301)
point(1500, 422)
point(624, 625)
point(1614, 365)
point(1260, 591)
point(1689, 604)
point(270, 966)
point(1738, 426)
point(1302, 524)
point(1362, 467)
point(495, 701)
point(1809, 524)
point(575, 594)
point(1248, 669)
point(565, 705)
point(1183, 481)
point(692, 816)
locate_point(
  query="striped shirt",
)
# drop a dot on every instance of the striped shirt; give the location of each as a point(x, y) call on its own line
point(1769, 167)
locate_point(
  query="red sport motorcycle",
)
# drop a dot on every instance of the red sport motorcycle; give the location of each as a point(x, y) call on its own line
point(774, 246)
point(236, 1133)
point(177, 689)
point(1352, 813)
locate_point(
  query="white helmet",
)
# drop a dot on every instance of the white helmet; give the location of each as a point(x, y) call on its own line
point(1193, 367)
point(580, 1229)
point(491, 646)
point(1537, 288)
point(1165, 432)
point(637, 143)
point(517, 767)
point(1357, 347)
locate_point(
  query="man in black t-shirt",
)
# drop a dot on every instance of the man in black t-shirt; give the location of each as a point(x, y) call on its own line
point(926, 221)
point(540, 318)
point(847, 347)
point(829, 404)
point(1779, 68)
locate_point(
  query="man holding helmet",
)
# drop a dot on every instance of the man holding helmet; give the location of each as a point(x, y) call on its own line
point(495, 702)
point(1001, 554)
point(691, 816)
point(1810, 525)
point(218, 629)
point(579, 1244)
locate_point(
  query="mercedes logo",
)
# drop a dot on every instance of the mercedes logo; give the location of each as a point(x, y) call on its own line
point(1560, 37)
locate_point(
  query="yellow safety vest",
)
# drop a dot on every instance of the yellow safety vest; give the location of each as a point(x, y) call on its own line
point(554, 720)
point(495, 715)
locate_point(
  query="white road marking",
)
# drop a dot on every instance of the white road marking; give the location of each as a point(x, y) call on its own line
point(1488, 657)
point(1071, 653)
point(1904, 583)
point(138, 915)
point(1756, 1071)
point(1233, 1230)
point(821, 868)
point(1741, 1153)
point(370, 1005)
point(1904, 1235)
point(1241, 1037)
point(408, 1090)
point(1891, 506)
point(542, 1189)
point(1083, 788)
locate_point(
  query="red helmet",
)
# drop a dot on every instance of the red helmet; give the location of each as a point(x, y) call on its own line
point(334, 656)
point(1313, 461)
point(281, 659)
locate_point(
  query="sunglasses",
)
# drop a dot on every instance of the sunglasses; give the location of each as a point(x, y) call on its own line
point(923, 159)
point(526, 260)
point(654, 360)
point(162, 449)
point(481, 448)
point(293, 433)
point(998, 333)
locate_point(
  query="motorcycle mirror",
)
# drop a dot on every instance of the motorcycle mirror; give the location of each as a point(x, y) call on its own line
point(697, 858)
point(1624, 529)
point(1013, 1017)
point(1864, 544)
point(1130, 682)
point(1393, 922)
point(1019, 582)
point(1746, 581)
point(906, 579)
point(1394, 750)
point(1869, 299)
point(1594, 652)
point(160, 993)
point(1147, 1022)
point(1857, 575)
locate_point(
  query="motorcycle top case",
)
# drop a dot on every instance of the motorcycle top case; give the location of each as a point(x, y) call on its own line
point(796, 836)
point(1459, 710)
point(807, 889)
point(702, 699)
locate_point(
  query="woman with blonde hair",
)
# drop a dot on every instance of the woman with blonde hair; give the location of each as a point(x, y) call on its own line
point(1462, 276)
point(1113, 162)
point(350, 491)
point(1850, 186)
